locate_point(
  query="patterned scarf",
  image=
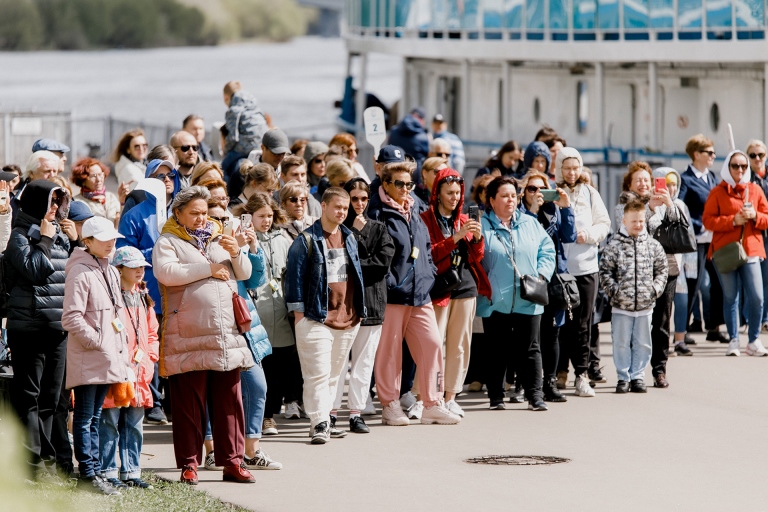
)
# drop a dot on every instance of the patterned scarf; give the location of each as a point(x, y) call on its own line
point(92, 195)
point(201, 236)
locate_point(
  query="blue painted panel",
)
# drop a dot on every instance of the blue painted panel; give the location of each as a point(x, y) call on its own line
point(534, 12)
point(637, 14)
point(558, 14)
point(718, 13)
point(513, 12)
point(584, 14)
point(662, 13)
point(689, 13)
point(608, 14)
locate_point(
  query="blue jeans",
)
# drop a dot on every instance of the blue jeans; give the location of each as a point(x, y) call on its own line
point(121, 428)
point(85, 426)
point(764, 272)
point(632, 348)
point(749, 278)
point(253, 386)
point(681, 312)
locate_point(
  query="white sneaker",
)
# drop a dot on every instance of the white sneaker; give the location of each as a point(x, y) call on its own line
point(210, 463)
point(407, 401)
point(370, 409)
point(261, 461)
point(439, 414)
point(756, 348)
point(292, 411)
point(416, 410)
point(393, 414)
point(452, 406)
point(733, 348)
point(582, 387)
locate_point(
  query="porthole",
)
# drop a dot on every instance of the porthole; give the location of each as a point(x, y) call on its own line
point(582, 106)
point(714, 117)
point(536, 110)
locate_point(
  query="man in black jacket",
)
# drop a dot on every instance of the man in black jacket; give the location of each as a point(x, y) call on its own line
point(40, 244)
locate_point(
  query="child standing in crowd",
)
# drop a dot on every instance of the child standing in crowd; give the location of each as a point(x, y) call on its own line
point(98, 359)
point(633, 273)
point(121, 425)
point(245, 124)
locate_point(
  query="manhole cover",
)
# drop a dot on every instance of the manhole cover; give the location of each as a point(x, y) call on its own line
point(517, 460)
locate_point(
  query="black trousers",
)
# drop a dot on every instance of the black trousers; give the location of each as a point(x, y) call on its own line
point(550, 344)
point(60, 433)
point(478, 358)
point(576, 334)
point(39, 360)
point(284, 381)
point(716, 317)
point(409, 370)
point(513, 340)
point(660, 334)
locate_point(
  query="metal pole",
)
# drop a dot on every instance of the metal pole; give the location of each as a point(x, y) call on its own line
point(765, 100)
point(465, 99)
point(506, 100)
point(653, 105)
point(600, 93)
point(8, 153)
point(360, 98)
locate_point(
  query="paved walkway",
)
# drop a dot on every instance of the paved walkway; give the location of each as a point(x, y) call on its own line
point(698, 445)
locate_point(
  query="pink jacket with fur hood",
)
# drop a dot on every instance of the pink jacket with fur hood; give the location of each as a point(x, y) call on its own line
point(96, 353)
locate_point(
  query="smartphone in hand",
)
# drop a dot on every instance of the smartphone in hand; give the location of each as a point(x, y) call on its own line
point(661, 184)
point(228, 228)
point(245, 221)
point(474, 213)
point(550, 195)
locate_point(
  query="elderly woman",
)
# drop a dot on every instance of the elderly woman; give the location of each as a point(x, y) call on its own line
point(756, 151)
point(513, 239)
point(293, 199)
point(202, 350)
point(592, 226)
point(259, 177)
point(89, 174)
point(130, 158)
point(737, 210)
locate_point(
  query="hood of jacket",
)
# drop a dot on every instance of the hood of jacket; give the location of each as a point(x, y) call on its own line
point(351, 215)
point(81, 256)
point(562, 155)
point(663, 172)
point(535, 149)
point(152, 167)
point(725, 172)
point(243, 100)
point(411, 126)
point(439, 180)
point(38, 197)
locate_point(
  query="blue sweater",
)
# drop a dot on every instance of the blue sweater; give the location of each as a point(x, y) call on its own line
point(694, 193)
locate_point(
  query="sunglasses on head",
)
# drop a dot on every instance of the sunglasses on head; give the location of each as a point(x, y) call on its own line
point(295, 200)
point(170, 175)
point(400, 184)
point(757, 155)
point(453, 179)
point(184, 149)
point(743, 167)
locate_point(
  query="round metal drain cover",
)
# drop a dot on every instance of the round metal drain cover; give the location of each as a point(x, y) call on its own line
point(517, 460)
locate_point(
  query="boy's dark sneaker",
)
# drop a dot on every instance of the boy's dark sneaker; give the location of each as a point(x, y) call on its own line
point(138, 482)
point(358, 426)
point(537, 405)
point(660, 381)
point(717, 336)
point(321, 433)
point(116, 483)
point(518, 395)
point(336, 432)
point(497, 405)
point(551, 393)
point(98, 485)
point(155, 416)
point(622, 387)
point(595, 375)
point(637, 386)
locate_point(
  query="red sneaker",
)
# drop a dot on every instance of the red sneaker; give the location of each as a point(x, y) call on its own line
point(189, 475)
point(239, 474)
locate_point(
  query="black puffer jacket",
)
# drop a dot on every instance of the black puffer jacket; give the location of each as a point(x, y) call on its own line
point(34, 266)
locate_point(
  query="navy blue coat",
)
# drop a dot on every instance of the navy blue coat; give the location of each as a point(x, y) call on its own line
point(409, 281)
point(694, 193)
point(413, 138)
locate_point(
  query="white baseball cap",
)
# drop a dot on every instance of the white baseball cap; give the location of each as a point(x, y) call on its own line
point(101, 229)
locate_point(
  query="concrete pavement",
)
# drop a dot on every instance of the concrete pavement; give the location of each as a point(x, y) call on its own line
point(698, 445)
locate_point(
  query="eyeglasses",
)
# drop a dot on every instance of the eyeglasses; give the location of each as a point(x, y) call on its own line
point(99, 176)
point(736, 167)
point(137, 146)
point(222, 200)
point(170, 175)
point(318, 161)
point(532, 189)
point(295, 200)
point(360, 199)
point(220, 219)
point(454, 179)
point(757, 155)
point(443, 155)
point(400, 184)
point(184, 149)
point(710, 152)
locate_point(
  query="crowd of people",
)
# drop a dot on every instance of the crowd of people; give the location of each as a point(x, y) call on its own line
point(223, 295)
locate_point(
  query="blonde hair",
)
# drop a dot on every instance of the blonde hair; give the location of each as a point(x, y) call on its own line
point(340, 169)
point(203, 167)
point(755, 142)
point(293, 188)
point(433, 163)
point(261, 173)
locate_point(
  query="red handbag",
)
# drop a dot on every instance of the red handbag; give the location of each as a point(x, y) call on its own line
point(242, 313)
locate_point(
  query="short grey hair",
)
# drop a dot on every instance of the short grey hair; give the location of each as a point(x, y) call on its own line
point(188, 195)
point(34, 162)
point(435, 144)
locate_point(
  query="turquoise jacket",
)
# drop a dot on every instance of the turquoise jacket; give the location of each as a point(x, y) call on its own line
point(534, 254)
point(258, 341)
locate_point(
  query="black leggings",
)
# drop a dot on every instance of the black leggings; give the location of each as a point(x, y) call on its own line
point(284, 381)
point(576, 333)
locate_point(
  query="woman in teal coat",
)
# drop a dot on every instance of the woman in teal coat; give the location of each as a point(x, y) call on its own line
point(510, 234)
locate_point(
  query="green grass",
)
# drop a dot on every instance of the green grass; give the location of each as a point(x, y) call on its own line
point(166, 497)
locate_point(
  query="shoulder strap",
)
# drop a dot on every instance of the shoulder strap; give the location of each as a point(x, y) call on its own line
point(511, 259)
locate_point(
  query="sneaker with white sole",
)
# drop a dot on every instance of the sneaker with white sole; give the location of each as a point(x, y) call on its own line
point(454, 408)
point(407, 401)
point(582, 387)
point(415, 411)
point(269, 427)
point(261, 461)
point(439, 414)
point(370, 409)
point(393, 414)
point(210, 463)
point(733, 348)
point(292, 411)
point(757, 349)
point(764, 328)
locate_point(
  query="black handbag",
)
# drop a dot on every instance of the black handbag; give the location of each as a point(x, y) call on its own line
point(564, 294)
point(446, 282)
point(676, 237)
point(532, 288)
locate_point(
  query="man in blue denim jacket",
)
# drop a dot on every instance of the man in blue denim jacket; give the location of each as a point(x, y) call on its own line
point(324, 289)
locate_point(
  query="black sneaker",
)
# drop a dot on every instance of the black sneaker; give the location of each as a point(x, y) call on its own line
point(358, 426)
point(537, 405)
point(637, 386)
point(138, 482)
point(155, 416)
point(622, 387)
point(497, 405)
point(518, 395)
point(551, 393)
point(321, 433)
point(98, 485)
point(116, 483)
point(695, 326)
point(682, 350)
point(595, 375)
point(336, 432)
point(717, 336)
point(689, 339)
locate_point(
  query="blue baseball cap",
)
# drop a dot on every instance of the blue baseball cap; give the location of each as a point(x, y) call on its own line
point(79, 211)
point(49, 145)
point(391, 154)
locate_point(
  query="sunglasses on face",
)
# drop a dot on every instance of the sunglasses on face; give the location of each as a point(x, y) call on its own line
point(736, 167)
point(184, 149)
point(757, 155)
point(402, 184)
point(318, 161)
point(443, 155)
point(710, 153)
point(220, 219)
point(360, 199)
point(532, 189)
point(295, 200)
point(170, 175)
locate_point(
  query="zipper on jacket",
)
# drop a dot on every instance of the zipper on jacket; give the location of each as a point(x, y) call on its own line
point(634, 242)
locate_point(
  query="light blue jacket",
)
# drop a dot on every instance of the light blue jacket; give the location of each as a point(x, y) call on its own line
point(533, 251)
point(257, 338)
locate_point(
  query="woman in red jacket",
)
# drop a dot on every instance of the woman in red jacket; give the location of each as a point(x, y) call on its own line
point(456, 244)
point(737, 210)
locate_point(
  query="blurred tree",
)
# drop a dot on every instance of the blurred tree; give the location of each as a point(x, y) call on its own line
point(20, 25)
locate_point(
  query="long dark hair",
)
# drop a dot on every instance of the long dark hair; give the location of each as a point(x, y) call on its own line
point(356, 184)
point(508, 147)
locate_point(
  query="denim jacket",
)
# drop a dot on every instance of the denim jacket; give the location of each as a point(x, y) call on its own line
point(306, 286)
